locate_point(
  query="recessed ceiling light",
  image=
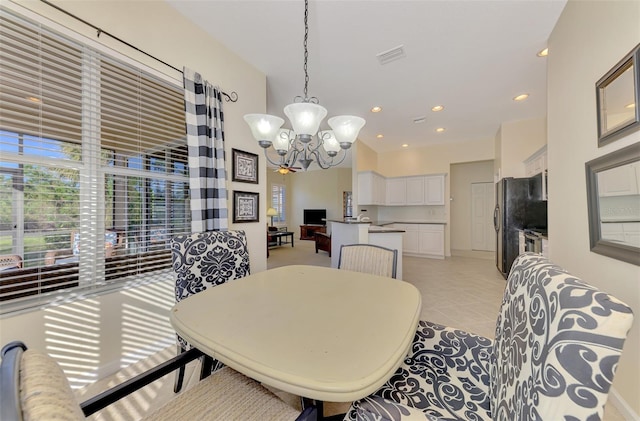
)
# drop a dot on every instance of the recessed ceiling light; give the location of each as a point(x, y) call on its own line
point(521, 97)
point(440, 129)
point(380, 136)
point(543, 53)
point(437, 108)
point(33, 99)
point(632, 105)
point(404, 145)
point(376, 109)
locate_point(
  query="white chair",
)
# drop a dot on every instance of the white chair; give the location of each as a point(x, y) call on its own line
point(368, 258)
point(34, 387)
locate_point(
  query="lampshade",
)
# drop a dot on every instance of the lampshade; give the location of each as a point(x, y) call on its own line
point(264, 126)
point(281, 141)
point(329, 142)
point(305, 117)
point(272, 212)
point(346, 127)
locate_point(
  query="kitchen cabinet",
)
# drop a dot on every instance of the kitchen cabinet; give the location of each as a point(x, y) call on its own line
point(415, 191)
point(371, 188)
point(536, 163)
point(374, 189)
point(434, 189)
point(396, 191)
point(423, 240)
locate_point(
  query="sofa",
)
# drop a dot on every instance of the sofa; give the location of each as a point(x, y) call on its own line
point(557, 345)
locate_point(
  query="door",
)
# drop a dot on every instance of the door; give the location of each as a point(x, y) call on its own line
point(482, 229)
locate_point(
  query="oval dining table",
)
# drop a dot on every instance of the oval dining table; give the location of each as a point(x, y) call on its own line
point(320, 333)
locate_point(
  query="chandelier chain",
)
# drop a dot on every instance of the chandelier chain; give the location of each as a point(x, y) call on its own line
point(306, 52)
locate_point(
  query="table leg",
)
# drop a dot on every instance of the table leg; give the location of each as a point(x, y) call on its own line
point(291, 239)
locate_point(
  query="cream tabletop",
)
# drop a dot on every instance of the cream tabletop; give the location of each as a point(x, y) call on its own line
point(316, 332)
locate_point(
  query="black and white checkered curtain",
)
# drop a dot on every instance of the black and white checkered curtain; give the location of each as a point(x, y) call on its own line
point(205, 140)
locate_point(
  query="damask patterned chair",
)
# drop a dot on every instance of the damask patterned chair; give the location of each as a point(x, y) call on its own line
point(204, 260)
point(558, 342)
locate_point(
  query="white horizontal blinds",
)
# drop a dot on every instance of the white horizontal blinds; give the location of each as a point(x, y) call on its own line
point(93, 173)
point(278, 202)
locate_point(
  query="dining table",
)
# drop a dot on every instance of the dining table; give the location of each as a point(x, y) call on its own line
point(320, 333)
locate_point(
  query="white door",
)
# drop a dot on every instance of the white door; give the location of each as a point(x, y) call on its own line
point(482, 230)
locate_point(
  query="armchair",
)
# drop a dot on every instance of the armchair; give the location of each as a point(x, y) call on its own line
point(558, 342)
point(323, 242)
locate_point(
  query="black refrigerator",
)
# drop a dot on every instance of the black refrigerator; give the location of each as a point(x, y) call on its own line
point(519, 206)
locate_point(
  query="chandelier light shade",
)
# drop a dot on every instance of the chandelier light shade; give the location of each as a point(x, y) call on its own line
point(303, 142)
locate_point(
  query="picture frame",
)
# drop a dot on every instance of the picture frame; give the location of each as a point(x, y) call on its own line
point(246, 206)
point(245, 166)
point(618, 99)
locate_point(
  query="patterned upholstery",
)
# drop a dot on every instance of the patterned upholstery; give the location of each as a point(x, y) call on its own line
point(368, 258)
point(558, 341)
point(207, 259)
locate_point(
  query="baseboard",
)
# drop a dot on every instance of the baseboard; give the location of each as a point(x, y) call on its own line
point(621, 405)
point(477, 254)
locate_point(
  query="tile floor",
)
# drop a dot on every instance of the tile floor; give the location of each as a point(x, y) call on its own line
point(462, 292)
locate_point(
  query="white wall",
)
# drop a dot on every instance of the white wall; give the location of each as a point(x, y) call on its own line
point(589, 38)
point(158, 29)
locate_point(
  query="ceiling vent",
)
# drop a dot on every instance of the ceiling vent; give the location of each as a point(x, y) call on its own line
point(393, 54)
point(419, 120)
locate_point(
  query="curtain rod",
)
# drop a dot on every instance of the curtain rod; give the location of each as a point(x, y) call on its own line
point(233, 97)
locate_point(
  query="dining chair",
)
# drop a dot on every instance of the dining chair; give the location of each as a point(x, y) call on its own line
point(368, 258)
point(556, 349)
point(204, 260)
point(35, 388)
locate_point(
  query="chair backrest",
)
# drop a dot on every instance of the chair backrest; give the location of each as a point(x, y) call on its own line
point(558, 341)
point(368, 258)
point(10, 261)
point(34, 387)
point(207, 259)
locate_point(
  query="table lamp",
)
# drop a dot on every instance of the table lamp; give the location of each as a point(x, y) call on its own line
point(272, 212)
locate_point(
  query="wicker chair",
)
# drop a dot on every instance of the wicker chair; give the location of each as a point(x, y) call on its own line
point(34, 387)
point(368, 258)
point(10, 261)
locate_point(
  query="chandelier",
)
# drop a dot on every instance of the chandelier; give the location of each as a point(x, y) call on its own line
point(304, 143)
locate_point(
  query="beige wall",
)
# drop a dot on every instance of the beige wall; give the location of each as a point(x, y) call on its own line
point(318, 189)
point(155, 27)
point(462, 175)
point(517, 141)
point(607, 30)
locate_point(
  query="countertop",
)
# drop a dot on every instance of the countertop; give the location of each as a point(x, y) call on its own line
point(383, 223)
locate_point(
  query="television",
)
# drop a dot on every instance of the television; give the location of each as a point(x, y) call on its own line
point(315, 216)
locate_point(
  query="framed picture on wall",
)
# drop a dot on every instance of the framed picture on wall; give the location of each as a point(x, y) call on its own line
point(245, 166)
point(245, 206)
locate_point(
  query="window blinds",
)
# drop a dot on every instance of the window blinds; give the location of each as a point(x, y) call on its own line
point(93, 166)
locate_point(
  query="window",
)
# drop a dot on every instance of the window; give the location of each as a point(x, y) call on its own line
point(93, 166)
point(278, 202)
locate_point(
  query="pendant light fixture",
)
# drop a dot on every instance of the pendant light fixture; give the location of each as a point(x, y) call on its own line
point(304, 143)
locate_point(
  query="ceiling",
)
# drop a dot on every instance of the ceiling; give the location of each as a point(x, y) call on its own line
point(472, 57)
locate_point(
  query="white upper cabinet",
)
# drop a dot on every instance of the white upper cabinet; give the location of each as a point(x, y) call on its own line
point(415, 190)
point(434, 190)
point(371, 188)
point(374, 189)
point(396, 191)
point(536, 163)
